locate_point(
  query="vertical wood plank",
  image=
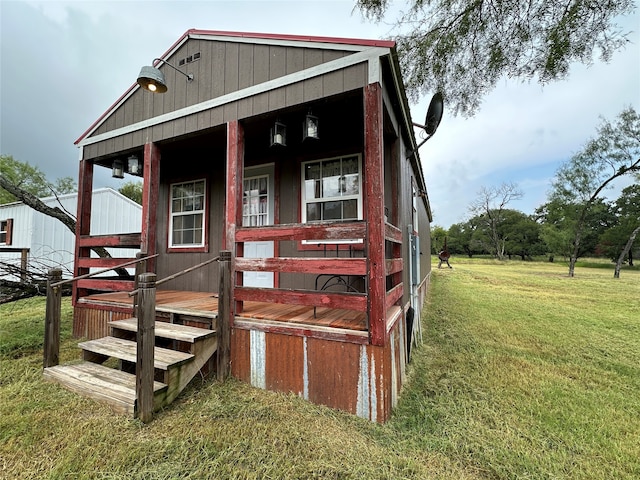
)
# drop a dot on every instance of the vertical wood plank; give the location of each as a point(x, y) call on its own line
point(374, 211)
point(225, 300)
point(52, 319)
point(233, 212)
point(83, 221)
point(146, 344)
point(150, 190)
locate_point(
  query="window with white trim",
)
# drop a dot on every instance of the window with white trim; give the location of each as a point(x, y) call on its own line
point(332, 189)
point(255, 201)
point(187, 214)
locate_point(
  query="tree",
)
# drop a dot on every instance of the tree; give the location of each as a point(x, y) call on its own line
point(521, 235)
point(489, 206)
point(613, 153)
point(132, 190)
point(463, 47)
point(438, 236)
point(31, 180)
point(618, 241)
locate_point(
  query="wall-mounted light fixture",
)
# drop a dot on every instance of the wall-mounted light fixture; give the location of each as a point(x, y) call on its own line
point(152, 79)
point(279, 134)
point(133, 165)
point(117, 170)
point(310, 127)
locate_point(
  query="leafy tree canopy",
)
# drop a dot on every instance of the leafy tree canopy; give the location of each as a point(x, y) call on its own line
point(31, 180)
point(132, 190)
point(463, 47)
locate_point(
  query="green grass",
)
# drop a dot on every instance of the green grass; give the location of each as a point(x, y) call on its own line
point(523, 373)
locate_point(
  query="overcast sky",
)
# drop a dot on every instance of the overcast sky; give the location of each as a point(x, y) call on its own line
point(64, 63)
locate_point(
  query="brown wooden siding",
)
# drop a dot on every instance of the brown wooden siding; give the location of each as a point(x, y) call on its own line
point(225, 68)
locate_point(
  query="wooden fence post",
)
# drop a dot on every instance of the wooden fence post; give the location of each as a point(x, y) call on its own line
point(141, 267)
point(146, 342)
point(225, 303)
point(24, 264)
point(52, 319)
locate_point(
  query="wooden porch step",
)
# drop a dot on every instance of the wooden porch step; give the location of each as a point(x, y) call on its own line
point(164, 358)
point(104, 384)
point(171, 331)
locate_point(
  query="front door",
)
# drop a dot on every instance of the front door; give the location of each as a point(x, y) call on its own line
point(257, 211)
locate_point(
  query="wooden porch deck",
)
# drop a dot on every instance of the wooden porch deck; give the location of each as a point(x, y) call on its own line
point(205, 304)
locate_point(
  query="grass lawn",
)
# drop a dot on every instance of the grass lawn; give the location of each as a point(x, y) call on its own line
point(523, 373)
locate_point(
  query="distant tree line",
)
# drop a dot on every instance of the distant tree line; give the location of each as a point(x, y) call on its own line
point(576, 221)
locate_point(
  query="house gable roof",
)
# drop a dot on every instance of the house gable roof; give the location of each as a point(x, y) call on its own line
point(303, 41)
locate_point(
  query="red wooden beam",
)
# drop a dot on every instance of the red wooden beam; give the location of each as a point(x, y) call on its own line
point(394, 265)
point(296, 231)
point(233, 201)
point(309, 331)
point(392, 233)
point(150, 192)
point(374, 210)
point(347, 301)
point(83, 222)
point(103, 262)
point(393, 296)
point(106, 284)
point(127, 240)
point(342, 266)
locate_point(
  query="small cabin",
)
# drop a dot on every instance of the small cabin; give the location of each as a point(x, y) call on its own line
point(296, 154)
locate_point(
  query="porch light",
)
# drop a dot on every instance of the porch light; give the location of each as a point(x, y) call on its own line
point(152, 79)
point(279, 134)
point(117, 171)
point(133, 165)
point(310, 127)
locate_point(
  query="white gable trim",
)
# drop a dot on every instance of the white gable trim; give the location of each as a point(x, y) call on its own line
point(370, 55)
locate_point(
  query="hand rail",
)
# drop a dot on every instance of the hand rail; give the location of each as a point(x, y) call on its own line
point(87, 275)
point(178, 274)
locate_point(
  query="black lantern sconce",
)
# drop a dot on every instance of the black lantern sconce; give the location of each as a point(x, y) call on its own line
point(133, 165)
point(279, 134)
point(310, 127)
point(117, 170)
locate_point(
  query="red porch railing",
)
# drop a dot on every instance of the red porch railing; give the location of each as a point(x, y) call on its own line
point(341, 231)
point(85, 262)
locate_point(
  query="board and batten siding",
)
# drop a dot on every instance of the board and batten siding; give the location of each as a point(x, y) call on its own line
point(224, 69)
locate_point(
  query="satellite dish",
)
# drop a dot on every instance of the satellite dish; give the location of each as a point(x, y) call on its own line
point(434, 114)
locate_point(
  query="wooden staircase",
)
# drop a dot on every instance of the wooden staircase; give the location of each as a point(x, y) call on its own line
point(180, 353)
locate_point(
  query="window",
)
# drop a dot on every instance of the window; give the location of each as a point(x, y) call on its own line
point(255, 201)
point(187, 214)
point(331, 190)
point(5, 231)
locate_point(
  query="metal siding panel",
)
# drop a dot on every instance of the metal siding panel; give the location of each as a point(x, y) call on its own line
point(285, 363)
point(258, 359)
point(333, 373)
point(240, 354)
